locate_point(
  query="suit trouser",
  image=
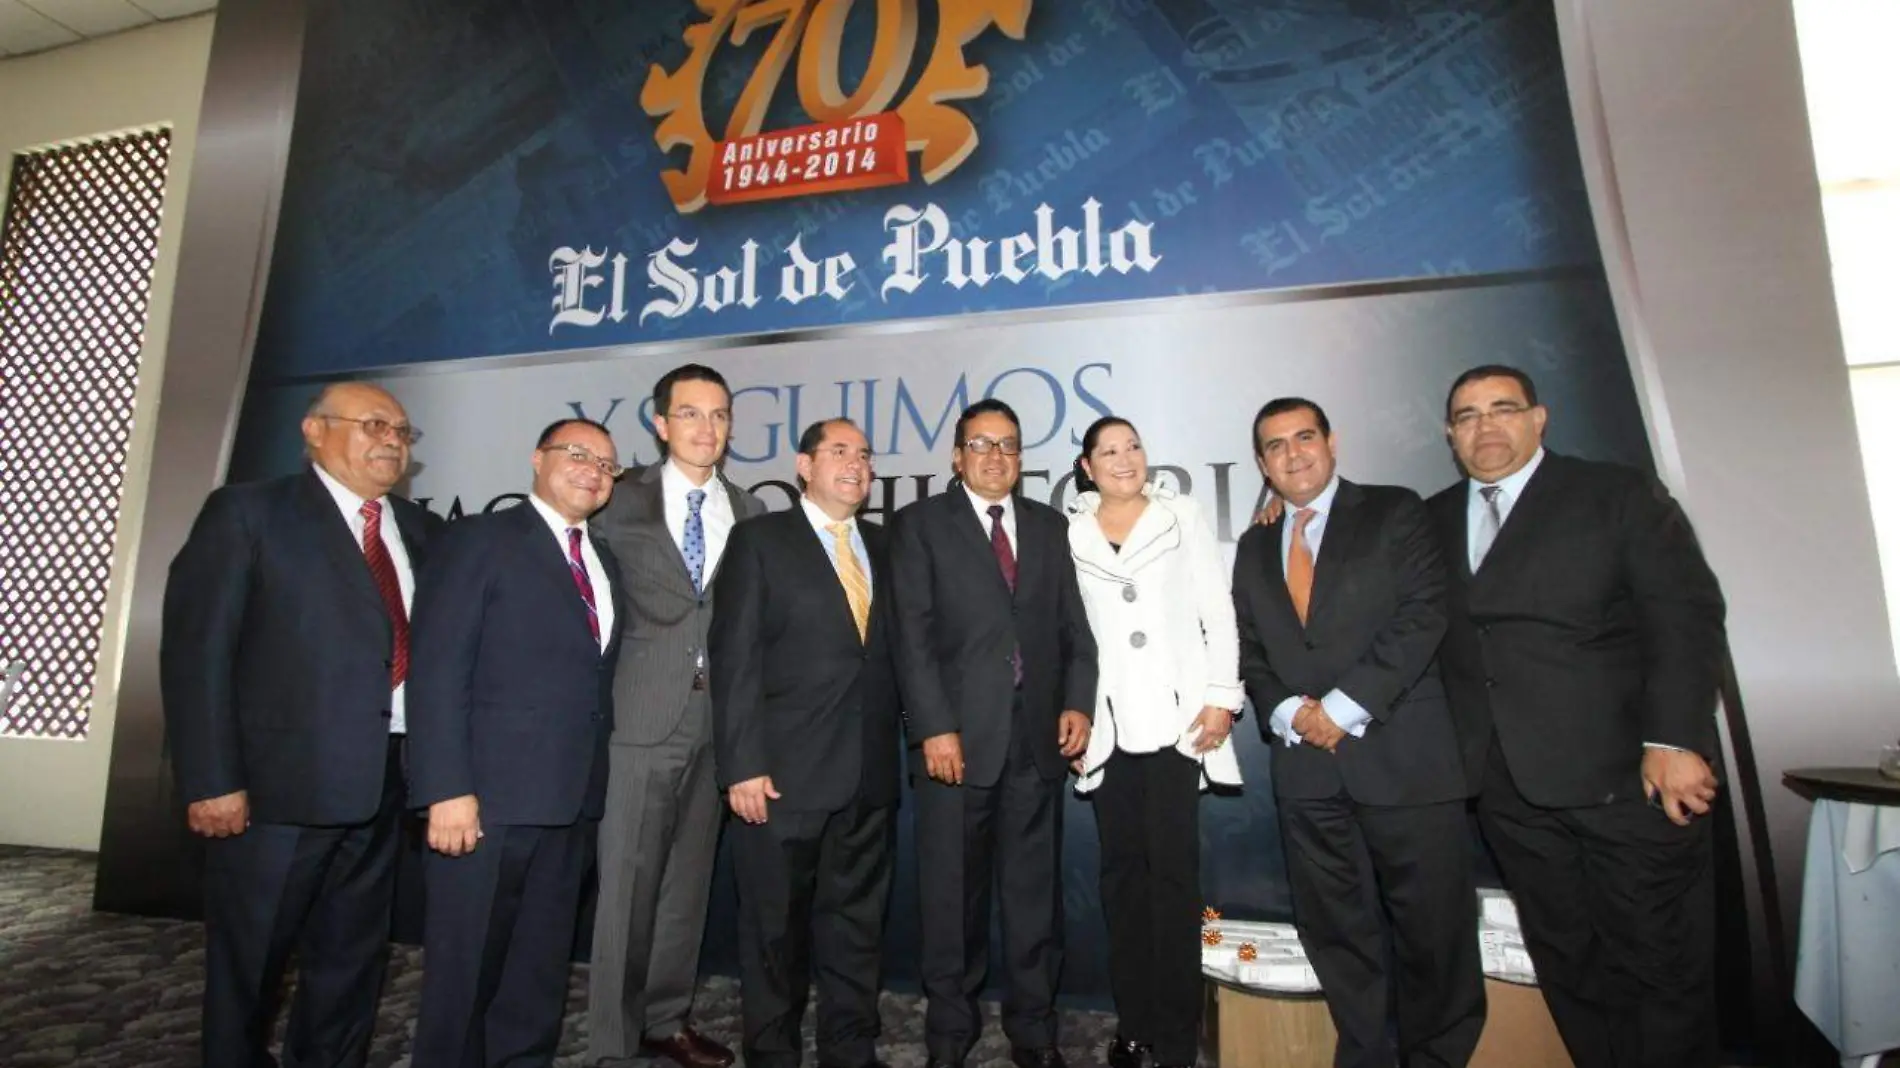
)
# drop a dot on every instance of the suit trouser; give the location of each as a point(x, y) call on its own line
point(1148, 811)
point(657, 844)
point(327, 893)
point(968, 837)
point(813, 887)
point(497, 939)
point(1618, 910)
point(1351, 866)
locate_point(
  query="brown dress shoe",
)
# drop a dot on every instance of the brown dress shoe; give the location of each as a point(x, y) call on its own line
point(689, 1049)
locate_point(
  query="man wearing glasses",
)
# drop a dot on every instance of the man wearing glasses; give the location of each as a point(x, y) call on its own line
point(284, 666)
point(997, 667)
point(515, 636)
point(1584, 649)
point(668, 524)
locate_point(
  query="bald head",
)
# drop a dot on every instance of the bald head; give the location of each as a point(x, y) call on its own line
point(359, 434)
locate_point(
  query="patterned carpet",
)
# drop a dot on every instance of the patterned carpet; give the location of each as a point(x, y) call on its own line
point(108, 991)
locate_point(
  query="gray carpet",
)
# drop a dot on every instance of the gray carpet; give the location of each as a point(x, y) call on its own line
point(107, 991)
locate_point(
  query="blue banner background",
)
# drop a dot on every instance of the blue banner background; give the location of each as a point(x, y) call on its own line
point(445, 148)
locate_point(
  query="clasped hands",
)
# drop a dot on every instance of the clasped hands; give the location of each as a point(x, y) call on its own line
point(1315, 727)
point(943, 753)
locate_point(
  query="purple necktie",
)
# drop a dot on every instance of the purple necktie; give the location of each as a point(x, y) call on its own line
point(1005, 559)
point(577, 566)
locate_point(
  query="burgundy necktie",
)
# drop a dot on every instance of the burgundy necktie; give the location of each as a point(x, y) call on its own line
point(383, 570)
point(1005, 559)
point(577, 565)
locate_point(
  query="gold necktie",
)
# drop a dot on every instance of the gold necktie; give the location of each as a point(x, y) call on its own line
point(1299, 566)
point(857, 589)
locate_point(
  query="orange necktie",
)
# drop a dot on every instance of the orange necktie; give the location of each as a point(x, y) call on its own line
point(1299, 565)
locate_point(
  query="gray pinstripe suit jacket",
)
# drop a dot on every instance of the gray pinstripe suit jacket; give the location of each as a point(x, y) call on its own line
point(666, 621)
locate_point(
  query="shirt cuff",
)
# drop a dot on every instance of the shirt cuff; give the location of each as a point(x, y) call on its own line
point(1346, 713)
point(1283, 719)
point(1664, 745)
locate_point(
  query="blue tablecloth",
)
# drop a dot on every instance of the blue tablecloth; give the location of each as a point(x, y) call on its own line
point(1847, 976)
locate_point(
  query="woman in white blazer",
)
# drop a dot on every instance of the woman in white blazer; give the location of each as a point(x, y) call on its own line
point(1159, 601)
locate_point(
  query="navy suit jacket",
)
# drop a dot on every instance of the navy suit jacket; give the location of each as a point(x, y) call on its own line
point(275, 652)
point(510, 695)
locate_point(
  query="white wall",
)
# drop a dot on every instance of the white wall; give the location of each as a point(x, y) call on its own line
point(52, 793)
point(1694, 129)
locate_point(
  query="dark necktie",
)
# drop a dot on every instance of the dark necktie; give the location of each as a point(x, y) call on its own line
point(577, 566)
point(383, 570)
point(1006, 559)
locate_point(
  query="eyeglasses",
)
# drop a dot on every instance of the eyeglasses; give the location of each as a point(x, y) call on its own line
point(376, 428)
point(579, 455)
point(693, 416)
point(1497, 413)
point(982, 446)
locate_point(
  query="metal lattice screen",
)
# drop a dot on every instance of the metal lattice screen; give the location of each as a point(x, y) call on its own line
point(76, 253)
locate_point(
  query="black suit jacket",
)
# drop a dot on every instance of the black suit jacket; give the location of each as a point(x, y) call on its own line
point(957, 624)
point(1372, 631)
point(275, 653)
point(510, 697)
point(796, 694)
point(1593, 626)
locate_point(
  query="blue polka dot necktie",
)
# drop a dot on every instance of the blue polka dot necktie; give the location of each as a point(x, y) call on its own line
point(693, 545)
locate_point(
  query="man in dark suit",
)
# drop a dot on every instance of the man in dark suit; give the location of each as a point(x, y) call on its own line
point(1583, 655)
point(669, 524)
point(805, 713)
point(515, 638)
point(1341, 605)
point(997, 667)
point(284, 665)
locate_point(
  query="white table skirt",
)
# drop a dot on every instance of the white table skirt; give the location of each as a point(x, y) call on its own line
point(1847, 973)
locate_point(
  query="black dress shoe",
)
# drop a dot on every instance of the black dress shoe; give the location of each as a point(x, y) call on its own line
point(1127, 1053)
point(1037, 1058)
point(937, 1062)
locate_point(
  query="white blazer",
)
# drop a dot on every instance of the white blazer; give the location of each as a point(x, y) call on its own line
point(1162, 612)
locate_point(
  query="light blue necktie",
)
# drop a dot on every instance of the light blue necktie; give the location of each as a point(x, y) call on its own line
point(693, 546)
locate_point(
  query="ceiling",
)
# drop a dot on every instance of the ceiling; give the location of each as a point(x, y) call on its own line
point(37, 25)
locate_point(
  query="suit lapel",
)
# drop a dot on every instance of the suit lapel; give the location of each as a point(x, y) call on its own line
point(1030, 548)
point(333, 531)
point(616, 592)
point(409, 526)
point(1335, 548)
point(1527, 513)
point(651, 497)
point(1456, 527)
point(734, 500)
point(544, 554)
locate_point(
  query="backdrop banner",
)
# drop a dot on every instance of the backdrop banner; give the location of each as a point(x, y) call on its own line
point(1169, 210)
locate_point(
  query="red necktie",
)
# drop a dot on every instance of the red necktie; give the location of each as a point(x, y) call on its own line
point(577, 565)
point(1005, 559)
point(383, 570)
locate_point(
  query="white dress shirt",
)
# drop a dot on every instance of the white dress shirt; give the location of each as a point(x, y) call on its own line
point(1350, 716)
point(1511, 487)
point(715, 513)
point(819, 521)
point(352, 508)
point(1009, 516)
point(596, 571)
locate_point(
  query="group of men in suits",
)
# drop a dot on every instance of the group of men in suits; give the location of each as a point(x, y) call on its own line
point(1544, 636)
point(563, 688)
point(533, 682)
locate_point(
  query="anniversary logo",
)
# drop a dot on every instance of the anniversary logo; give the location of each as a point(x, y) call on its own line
point(856, 144)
